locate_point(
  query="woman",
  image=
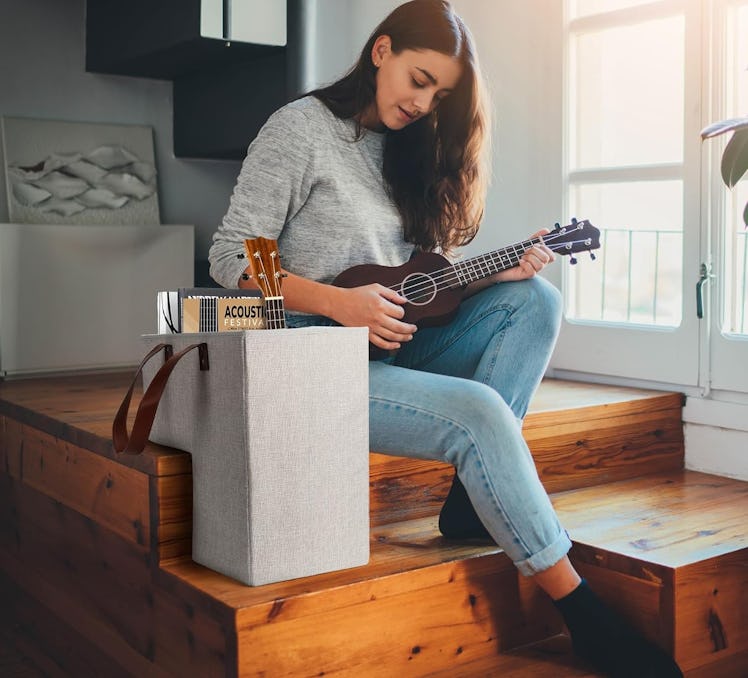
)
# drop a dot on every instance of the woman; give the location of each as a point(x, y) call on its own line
point(389, 159)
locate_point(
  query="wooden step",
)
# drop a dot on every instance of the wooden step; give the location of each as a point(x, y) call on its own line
point(95, 567)
point(670, 551)
point(640, 543)
point(579, 435)
point(420, 604)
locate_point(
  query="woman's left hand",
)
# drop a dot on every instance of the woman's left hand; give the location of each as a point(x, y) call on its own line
point(533, 261)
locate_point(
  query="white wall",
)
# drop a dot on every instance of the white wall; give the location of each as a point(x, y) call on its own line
point(42, 74)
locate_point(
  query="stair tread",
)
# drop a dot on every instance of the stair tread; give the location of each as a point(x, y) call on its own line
point(554, 395)
point(645, 519)
point(671, 519)
point(396, 548)
point(80, 408)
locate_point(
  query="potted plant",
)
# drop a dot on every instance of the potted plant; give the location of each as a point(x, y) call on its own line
point(735, 156)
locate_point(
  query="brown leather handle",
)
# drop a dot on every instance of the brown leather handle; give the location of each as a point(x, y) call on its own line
point(141, 428)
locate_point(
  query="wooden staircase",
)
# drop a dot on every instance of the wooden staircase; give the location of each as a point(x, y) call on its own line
point(96, 576)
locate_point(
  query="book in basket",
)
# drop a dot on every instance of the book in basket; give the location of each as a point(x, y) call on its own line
point(208, 309)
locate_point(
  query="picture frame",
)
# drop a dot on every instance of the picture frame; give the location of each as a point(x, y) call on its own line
point(77, 173)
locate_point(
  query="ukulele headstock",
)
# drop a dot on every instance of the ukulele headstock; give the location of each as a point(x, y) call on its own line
point(577, 236)
point(265, 265)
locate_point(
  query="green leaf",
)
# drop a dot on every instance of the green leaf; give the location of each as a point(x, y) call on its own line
point(745, 215)
point(735, 157)
point(717, 128)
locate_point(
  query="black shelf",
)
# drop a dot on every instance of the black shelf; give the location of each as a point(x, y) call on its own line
point(223, 92)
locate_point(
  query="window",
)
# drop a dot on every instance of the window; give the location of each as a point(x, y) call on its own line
point(642, 79)
point(625, 159)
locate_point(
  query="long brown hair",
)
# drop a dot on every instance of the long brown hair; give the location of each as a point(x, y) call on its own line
point(435, 168)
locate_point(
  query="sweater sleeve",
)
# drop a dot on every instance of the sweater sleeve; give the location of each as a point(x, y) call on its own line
point(274, 182)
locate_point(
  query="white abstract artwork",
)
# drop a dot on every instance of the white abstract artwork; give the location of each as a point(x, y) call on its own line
point(79, 173)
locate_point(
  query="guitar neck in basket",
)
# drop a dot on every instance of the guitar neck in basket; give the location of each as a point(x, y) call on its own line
point(264, 263)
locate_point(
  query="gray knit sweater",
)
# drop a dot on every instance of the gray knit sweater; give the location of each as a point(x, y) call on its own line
point(306, 183)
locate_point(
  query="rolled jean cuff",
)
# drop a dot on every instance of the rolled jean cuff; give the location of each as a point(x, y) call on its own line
point(546, 558)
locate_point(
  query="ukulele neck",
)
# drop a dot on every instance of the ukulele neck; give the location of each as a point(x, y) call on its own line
point(275, 313)
point(484, 265)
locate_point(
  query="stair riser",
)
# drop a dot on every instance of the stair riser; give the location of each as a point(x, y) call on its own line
point(99, 585)
point(568, 454)
point(472, 610)
point(710, 601)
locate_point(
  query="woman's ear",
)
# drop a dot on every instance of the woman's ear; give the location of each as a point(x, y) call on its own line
point(382, 46)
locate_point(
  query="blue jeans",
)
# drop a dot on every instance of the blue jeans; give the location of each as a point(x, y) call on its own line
point(458, 394)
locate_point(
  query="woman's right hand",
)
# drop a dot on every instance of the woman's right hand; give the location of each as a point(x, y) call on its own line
point(378, 308)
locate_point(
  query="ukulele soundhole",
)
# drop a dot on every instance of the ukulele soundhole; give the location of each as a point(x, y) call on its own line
point(419, 289)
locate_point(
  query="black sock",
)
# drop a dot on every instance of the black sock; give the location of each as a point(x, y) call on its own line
point(458, 519)
point(603, 638)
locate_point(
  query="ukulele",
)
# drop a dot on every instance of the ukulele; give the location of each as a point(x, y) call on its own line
point(434, 287)
point(264, 262)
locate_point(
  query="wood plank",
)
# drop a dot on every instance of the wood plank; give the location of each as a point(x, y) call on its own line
point(401, 488)
point(411, 547)
point(171, 506)
point(552, 657)
point(4, 445)
point(104, 574)
point(57, 650)
point(573, 453)
point(16, 663)
point(731, 666)
point(80, 410)
point(107, 492)
point(568, 450)
point(594, 401)
point(672, 519)
point(188, 642)
point(12, 444)
point(100, 584)
point(473, 613)
point(711, 599)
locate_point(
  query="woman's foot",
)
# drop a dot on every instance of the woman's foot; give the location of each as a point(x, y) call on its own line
point(603, 638)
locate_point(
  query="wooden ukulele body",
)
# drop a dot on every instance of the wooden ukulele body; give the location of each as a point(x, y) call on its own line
point(415, 280)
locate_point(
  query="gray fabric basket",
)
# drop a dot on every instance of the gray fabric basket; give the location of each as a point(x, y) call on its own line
point(279, 434)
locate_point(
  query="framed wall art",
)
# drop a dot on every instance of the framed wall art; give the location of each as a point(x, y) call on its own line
point(79, 173)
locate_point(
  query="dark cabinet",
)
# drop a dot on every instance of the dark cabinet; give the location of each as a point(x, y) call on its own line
point(224, 89)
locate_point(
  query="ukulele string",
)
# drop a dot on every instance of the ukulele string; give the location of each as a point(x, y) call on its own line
point(446, 277)
point(274, 305)
point(276, 275)
point(263, 275)
point(450, 276)
point(278, 310)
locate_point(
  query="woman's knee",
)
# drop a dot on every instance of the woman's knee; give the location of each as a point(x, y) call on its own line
point(481, 419)
point(534, 300)
point(545, 298)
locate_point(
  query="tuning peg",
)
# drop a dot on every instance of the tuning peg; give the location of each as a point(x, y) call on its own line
point(240, 256)
point(246, 276)
point(573, 260)
point(592, 256)
point(573, 221)
point(556, 225)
